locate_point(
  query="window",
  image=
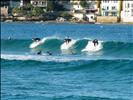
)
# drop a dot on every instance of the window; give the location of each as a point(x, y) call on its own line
point(42, 3)
point(128, 5)
point(114, 14)
point(125, 5)
point(132, 12)
point(115, 1)
point(113, 8)
point(106, 1)
point(106, 14)
point(107, 8)
point(91, 17)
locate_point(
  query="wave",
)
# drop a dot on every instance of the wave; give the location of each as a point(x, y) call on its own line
point(58, 58)
point(68, 64)
point(53, 44)
point(74, 97)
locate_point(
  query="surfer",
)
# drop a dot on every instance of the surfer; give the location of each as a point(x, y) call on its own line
point(36, 39)
point(49, 53)
point(39, 52)
point(67, 40)
point(95, 41)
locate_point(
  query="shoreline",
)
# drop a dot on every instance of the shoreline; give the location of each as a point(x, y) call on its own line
point(65, 22)
point(10, 20)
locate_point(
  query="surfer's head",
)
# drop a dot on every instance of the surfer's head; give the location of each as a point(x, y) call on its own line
point(49, 53)
point(95, 41)
point(36, 39)
point(39, 52)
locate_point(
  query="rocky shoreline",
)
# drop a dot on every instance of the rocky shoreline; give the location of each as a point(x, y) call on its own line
point(40, 20)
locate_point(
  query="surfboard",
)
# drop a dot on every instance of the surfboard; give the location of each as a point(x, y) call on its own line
point(91, 48)
point(35, 44)
point(66, 46)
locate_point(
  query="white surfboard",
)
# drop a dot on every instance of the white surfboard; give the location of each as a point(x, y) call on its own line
point(66, 46)
point(91, 48)
point(35, 44)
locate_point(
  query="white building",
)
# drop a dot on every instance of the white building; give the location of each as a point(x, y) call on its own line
point(88, 12)
point(39, 3)
point(127, 12)
point(110, 8)
point(24, 2)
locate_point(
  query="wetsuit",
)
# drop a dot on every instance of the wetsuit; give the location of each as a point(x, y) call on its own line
point(95, 42)
point(67, 40)
point(39, 53)
point(36, 39)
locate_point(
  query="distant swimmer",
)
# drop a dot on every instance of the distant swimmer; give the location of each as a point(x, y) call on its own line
point(67, 40)
point(36, 39)
point(49, 53)
point(39, 52)
point(95, 41)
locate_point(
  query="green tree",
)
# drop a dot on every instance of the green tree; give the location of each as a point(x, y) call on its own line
point(37, 11)
point(18, 10)
point(83, 3)
point(65, 15)
point(50, 5)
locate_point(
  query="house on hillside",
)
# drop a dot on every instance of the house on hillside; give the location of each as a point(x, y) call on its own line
point(110, 11)
point(24, 2)
point(39, 3)
point(127, 12)
point(4, 11)
point(88, 12)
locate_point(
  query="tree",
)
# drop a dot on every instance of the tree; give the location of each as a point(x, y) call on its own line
point(83, 3)
point(18, 11)
point(54, 5)
point(37, 11)
point(66, 15)
point(50, 5)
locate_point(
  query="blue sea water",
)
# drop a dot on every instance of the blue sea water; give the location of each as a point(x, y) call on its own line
point(71, 75)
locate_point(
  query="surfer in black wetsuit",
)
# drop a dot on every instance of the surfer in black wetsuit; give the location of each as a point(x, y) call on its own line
point(95, 41)
point(49, 53)
point(39, 52)
point(36, 39)
point(67, 40)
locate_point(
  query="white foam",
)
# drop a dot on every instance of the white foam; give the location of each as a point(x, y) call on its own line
point(61, 58)
point(35, 44)
point(66, 46)
point(91, 48)
point(38, 57)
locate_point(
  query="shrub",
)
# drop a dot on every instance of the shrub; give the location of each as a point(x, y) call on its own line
point(65, 15)
point(37, 11)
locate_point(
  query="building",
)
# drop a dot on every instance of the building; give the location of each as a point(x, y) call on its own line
point(10, 3)
point(127, 12)
point(39, 3)
point(110, 11)
point(87, 13)
point(4, 11)
point(24, 2)
point(4, 3)
point(110, 8)
point(77, 9)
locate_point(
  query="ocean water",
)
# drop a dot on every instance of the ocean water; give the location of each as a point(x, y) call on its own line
point(66, 75)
